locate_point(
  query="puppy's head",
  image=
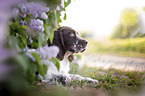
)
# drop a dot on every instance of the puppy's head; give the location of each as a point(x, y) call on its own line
point(68, 41)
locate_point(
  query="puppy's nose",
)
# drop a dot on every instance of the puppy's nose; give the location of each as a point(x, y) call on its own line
point(85, 41)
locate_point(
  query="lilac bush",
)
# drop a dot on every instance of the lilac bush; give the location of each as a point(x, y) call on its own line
point(33, 23)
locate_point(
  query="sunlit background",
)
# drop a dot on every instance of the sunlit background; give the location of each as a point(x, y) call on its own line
point(112, 28)
point(98, 17)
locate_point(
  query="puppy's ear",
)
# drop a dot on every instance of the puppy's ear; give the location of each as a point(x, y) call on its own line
point(61, 38)
point(48, 42)
point(59, 41)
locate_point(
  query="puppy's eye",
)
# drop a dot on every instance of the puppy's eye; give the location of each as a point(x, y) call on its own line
point(72, 35)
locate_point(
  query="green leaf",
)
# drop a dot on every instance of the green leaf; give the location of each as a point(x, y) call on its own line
point(67, 3)
point(21, 42)
point(56, 62)
point(22, 32)
point(50, 33)
point(41, 39)
point(34, 44)
point(59, 20)
point(24, 27)
point(23, 61)
point(14, 26)
point(58, 17)
point(64, 16)
point(45, 67)
point(39, 64)
point(29, 17)
point(31, 72)
point(17, 19)
point(13, 43)
point(28, 20)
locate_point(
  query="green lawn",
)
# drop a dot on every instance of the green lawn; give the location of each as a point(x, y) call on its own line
point(111, 82)
point(134, 47)
point(112, 79)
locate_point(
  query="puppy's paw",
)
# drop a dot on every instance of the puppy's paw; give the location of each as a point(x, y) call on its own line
point(93, 81)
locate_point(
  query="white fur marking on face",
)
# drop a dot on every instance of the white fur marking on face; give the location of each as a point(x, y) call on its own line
point(72, 35)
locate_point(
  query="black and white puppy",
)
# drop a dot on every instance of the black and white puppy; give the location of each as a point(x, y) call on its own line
point(68, 42)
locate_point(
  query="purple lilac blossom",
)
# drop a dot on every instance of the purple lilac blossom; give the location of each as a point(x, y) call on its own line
point(35, 14)
point(23, 23)
point(36, 25)
point(30, 39)
point(43, 15)
point(30, 8)
point(45, 9)
point(37, 10)
point(23, 9)
point(15, 12)
point(23, 15)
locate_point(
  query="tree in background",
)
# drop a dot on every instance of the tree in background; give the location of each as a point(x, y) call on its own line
point(129, 25)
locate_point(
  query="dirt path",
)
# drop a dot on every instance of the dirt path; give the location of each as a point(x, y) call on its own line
point(116, 62)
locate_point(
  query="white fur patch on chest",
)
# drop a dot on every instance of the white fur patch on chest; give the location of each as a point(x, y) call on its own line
point(64, 66)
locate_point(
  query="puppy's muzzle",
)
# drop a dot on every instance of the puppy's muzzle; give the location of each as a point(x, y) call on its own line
point(79, 46)
point(84, 45)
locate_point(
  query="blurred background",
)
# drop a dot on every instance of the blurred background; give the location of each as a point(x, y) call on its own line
point(100, 18)
point(114, 28)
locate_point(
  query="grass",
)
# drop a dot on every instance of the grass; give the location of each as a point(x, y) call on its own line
point(133, 47)
point(114, 79)
point(111, 82)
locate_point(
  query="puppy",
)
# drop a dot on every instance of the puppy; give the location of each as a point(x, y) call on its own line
point(68, 42)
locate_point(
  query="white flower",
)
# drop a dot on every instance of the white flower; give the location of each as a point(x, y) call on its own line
point(48, 52)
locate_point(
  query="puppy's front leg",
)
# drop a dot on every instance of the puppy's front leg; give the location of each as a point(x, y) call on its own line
point(80, 78)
